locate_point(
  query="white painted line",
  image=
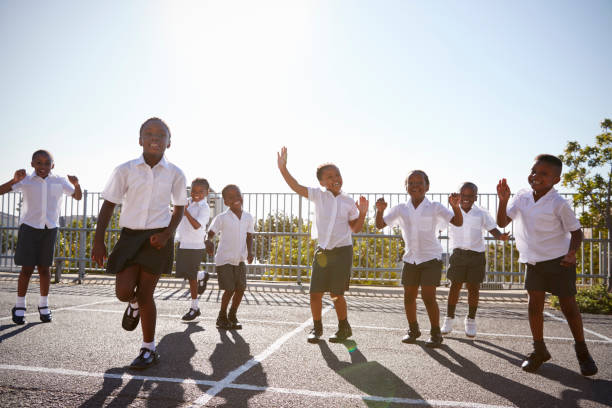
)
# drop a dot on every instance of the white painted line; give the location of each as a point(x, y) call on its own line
point(65, 308)
point(552, 316)
point(278, 390)
point(229, 378)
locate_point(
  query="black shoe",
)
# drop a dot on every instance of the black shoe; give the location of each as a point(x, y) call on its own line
point(202, 283)
point(343, 333)
point(130, 322)
point(412, 335)
point(45, 318)
point(315, 335)
point(535, 360)
point(435, 339)
point(233, 320)
point(587, 365)
point(18, 319)
point(191, 314)
point(223, 323)
point(141, 362)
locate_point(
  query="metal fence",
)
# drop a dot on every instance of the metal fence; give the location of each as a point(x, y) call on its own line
point(282, 245)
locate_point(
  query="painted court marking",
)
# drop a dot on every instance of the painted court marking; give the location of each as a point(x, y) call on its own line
point(65, 308)
point(552, 316)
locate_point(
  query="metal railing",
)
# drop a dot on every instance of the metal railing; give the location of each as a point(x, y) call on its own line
point(282, 245)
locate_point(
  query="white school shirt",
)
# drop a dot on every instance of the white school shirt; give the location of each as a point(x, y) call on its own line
point(419, 228)
point(42, 199)
point(469, 235)
point(145, 193)
point(332, 216)
point(189, 237)
point(541, 228)
point(232, 248)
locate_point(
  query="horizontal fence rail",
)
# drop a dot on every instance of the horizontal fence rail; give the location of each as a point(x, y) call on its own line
point(282, 246)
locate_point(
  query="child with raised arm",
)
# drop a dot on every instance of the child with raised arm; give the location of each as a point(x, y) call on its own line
point(420, 220)
point(236, 228)
point(144, 187)
point(190, 235)
point(336, 217)
point(42, 194)
point(468, 261)
point(547, 237)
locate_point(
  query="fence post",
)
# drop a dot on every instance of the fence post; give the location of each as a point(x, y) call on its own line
point(83, 240)
point(58, 270)
point(299, 254)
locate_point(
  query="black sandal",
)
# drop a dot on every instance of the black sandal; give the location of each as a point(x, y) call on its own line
point(18, 319)
point(130, 322)
point(45, 318)
point(202, 283)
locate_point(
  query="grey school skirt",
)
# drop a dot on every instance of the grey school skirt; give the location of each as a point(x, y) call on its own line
point(134, 248)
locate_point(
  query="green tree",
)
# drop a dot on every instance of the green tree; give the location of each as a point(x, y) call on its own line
point(590, 173)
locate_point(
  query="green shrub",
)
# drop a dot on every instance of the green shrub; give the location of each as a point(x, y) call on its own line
point(595, 299)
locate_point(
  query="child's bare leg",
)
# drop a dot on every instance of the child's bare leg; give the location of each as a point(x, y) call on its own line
point(193, 288)
point(45, 279)
point(410, 295)
point(24, 280)
point(473, 293)
point(339, 305)
point(238, 294)
point(126, 282)
point(428, 293)
point(536, 314)
point(316, 305)
point(453, 293)
point(225, 299)
point(146, 304)
point(570, 310)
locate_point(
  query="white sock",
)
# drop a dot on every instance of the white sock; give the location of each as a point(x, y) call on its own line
point(134, 307)
point(44, 302)
point(194, 304)
point(201, 275)
point(20, 303)
point(150, 346)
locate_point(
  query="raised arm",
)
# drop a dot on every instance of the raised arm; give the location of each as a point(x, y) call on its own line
point(98, 251)
point(381, 205)
point(362, 206)
point(503, 192)
point(78, 194)
point(293, 184)
point(454, 200)
point(17, 177)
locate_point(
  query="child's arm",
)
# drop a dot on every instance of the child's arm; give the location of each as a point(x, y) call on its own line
point(210, 247)
point(381, 205)
point(249, 243)
point(454, 199)
point(497, 234)
point(158, 240)
point(293, 184)
point(78, 194)
point(503, 192)
point(194, 223)
point(362, 205)
point(98, 252)
point(576, 239)
point(17, 177)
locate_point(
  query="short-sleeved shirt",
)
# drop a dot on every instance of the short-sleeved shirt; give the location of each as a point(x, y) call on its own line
point(145, 193)
point(469, 235)
point(419, 228)
point(332, 216)
point(42, 199)
point(542, 228)
point(186, 235)
point(232, 248)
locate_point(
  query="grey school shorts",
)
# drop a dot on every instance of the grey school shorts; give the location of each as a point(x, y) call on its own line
point(550, 276)
point(466, 266)
point(331, 270)
point(231, 277)
point(427, 273)
point(188, 262)
point(35, 246)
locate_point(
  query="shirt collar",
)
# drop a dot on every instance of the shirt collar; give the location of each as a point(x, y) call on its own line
point(163, 162)
point(423, 204)
point(34, 176)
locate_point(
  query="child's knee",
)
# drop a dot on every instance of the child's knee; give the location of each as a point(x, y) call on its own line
point(124, 295)
point(44, 271)
point(27, 271)
point(535, 307)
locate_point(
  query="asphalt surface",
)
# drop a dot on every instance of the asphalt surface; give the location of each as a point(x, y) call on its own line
point(81, 358)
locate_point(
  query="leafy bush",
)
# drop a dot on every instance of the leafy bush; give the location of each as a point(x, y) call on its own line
point(595, 299)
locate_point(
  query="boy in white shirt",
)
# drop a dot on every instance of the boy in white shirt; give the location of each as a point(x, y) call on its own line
point(144, 187)
point(190, 236)
point(336, 216)
point(236, 228)
point(42, 194)
point(468, 261)
point(547, 237)
point(420, 220)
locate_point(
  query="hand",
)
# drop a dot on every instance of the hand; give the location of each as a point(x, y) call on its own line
point(282, 158)
point(73, 180)
point(381, 204)
point(210, 247)
point(503, 191)
point(250, 258)
point(504, 237)
point(19, 175)
point(159, 239)
point(454, 199)
point(569, 259)
point(362, 205)
point(98, 252)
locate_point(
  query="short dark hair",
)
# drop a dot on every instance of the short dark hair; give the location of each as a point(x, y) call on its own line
point(471, 185)
point(421, 172)
point(200, 182)
point(42, 152)
point(550, 159)
point(154, 119)
point(229, 187)
point(323, 167)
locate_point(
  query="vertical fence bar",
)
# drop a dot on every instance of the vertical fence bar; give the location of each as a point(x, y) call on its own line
point(83, 240)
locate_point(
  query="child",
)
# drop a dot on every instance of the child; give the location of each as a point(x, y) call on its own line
point(42, 194)
point(144, 187)
point(235, 246)
point(547, 237)
point(419, 220)
point(336, 215)
point(191, 249)
point(468, 262)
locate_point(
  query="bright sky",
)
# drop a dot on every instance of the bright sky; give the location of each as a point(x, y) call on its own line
point(465, 90)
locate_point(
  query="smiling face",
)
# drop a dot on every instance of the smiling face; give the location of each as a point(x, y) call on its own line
point(233, 199)
point(198, 192)
point(417, 186)
point(42, 164)
point(543, 177)
point(154, 138)
point(331, 179)
point(468, 196)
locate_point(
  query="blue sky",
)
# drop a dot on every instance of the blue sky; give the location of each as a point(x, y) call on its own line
point(465, 90)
